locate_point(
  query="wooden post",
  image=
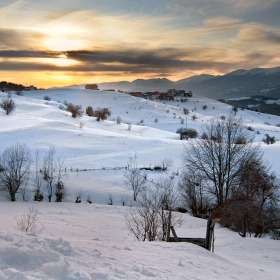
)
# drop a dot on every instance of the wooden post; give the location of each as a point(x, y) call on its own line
point(207, 241)
point(174, 234)
point(168, 227)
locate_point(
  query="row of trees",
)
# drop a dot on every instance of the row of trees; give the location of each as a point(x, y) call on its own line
point(224, 176)
point(16, 170)
point(225, 173)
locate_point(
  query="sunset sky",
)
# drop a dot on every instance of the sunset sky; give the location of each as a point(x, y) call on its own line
point(63, 42)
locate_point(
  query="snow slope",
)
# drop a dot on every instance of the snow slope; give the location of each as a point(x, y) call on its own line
point(90, 241)
point(87, 241)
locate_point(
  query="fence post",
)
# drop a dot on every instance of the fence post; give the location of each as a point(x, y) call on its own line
point(208, 240)
point(168, 227)
point(174, 234)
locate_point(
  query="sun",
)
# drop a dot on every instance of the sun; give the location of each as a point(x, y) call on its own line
point(61, 61)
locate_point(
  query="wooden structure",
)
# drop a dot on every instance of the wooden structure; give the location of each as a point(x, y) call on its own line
point(207, 242)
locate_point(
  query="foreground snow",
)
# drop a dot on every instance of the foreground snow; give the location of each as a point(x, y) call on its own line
point(86, 241)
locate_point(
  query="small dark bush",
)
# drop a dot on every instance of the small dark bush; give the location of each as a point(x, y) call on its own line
point(8, 105)
point(89, 111)
point(101, 113)
point(250, 128)
point(75, 110)
point(46, 97)
point(187, 133)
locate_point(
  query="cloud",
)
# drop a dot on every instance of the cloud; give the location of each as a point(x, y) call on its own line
point(257, 34)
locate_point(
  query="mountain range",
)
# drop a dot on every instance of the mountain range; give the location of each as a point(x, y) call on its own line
point(239, 83)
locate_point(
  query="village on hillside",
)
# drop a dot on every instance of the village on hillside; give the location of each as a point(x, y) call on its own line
point(169, 95)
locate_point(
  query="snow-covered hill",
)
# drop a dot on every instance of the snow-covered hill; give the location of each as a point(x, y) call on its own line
point(89, 241)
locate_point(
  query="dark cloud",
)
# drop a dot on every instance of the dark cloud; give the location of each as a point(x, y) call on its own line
point(132, 60)
point(17, 39)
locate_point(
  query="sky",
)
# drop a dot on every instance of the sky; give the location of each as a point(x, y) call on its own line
point(58, 43)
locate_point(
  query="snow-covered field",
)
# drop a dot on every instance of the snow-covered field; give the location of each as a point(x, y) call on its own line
point(90, 241)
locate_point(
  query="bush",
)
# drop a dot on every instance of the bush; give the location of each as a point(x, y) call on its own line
point(156, 120)
point(223, 118)
point(29, 222)
point(101, 113)
point(250, 128)
point(187, 133)
point(8, 105)
point(119, 120)
point(89, 111)
point(46, 97)
point(186, 111)
point(194, 117)
point(75, 110)
point(269, 139)
point(204, 107)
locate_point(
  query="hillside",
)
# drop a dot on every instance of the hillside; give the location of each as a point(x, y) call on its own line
point(90, 241)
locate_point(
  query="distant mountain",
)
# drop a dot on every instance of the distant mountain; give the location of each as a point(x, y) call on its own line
point(239, 83)
point(140, 85)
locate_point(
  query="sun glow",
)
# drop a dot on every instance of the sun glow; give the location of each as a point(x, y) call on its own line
point(61, 61)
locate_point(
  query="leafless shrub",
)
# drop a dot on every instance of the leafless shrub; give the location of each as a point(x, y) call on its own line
point(269, 139)
point(19, 92)
point(89, 199)
point(156, 120)
point(82, 124)
point(250, 128)
point(89, 111)
point(149, 219)
point(8, 105)
point(194, 117)
point(110, 199)
point(46, 97)
point(119, 120)
point(101, 113)
point(79, 196)
point(204, 107)
point(29, 222)
point(75, 110)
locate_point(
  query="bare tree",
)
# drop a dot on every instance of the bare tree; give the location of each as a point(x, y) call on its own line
point(48, 171)
point(29, 222)
point(15, 162)
point(254, 207)
point(8, 105)
point(133, 178)
point(60, 189)
point(221, 156)
point(193, 187)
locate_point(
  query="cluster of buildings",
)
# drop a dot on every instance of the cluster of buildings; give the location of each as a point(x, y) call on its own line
point(169, 95)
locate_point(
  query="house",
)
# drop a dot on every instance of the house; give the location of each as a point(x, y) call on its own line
point(91, 86)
